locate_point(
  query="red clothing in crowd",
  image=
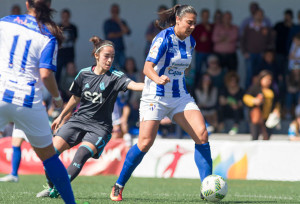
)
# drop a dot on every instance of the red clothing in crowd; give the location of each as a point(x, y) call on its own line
point(205, 33)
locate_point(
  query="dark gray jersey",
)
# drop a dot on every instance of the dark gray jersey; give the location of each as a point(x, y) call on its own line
point(98, 94)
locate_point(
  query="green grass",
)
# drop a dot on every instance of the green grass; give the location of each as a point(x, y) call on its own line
point(96, 189)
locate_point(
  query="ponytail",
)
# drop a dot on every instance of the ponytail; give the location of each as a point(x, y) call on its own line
point(168, 17)
point(99, 44)
point(44, 17)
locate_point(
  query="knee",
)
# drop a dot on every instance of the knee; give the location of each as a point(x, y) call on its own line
point(145, 144)
point(202, 136)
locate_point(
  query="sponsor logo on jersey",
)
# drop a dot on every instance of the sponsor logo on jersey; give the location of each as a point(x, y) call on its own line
point(102, 86)
point(93, 97)
point(154, 49)
point(174, 72)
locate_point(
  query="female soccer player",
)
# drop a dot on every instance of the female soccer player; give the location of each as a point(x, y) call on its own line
point(165, 94)
point(96, 88)
point(28, 46)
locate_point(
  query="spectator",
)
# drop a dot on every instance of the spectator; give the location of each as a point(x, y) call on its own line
point(262, 101)
point(268, 62)
point(15, 10)
point(294, 129)
point(256, 39)
point(204, 45)
point(293, 91)
point(294, 54)
point(253, 7)
point(153, 30)
point(114, 29)
point(218, 15)
point(282, 30)
point(67, 79)
point(225, 38)
point(206, 96)
point(66, 53)
point(231, 102)
point(294, 31)
point(215, 71)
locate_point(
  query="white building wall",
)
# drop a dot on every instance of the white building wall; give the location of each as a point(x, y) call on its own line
point(89, 16)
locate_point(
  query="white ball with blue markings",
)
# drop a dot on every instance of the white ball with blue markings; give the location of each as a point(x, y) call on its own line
point(214, 188)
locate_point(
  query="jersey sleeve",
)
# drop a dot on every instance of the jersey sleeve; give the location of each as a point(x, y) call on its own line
point(158, 47)
point(49, 55)
point(76, 86)
point(122, 83)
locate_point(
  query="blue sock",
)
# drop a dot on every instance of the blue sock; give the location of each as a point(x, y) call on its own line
point(59, 176)
point(203, 160)
point(16, 159)
point(132, 160)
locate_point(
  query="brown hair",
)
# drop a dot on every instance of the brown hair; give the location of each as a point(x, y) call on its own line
point(169, 16)
point(44, 17)
point(229, 76)
point(98, 42)
point(264, 73)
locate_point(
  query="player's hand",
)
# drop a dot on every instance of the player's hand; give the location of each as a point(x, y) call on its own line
point(56, 123)
point(163, 79)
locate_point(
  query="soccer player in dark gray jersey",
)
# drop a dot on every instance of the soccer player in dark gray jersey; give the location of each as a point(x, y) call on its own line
point(98, 94)
point(96, 89)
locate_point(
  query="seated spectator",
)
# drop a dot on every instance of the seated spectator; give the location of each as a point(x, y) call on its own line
point(262, 101)
point(293, 91)
point(230, 102)
point(225, 38)
point(294, 129)
point(67, 77)
point(206, 96)
point(294, 55)
point(215, 71)
point(130, 69)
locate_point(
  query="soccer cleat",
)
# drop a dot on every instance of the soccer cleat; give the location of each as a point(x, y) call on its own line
point(9, 178)
point(116, 193)
point(54, 193)
point(44, 193)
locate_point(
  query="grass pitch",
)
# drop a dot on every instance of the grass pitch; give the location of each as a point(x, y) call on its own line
point(96, 189)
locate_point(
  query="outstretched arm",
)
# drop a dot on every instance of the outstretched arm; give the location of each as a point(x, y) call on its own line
point(134, 86)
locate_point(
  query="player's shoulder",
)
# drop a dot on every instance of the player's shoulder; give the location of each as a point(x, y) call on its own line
point(83, 72)
point(115, 72)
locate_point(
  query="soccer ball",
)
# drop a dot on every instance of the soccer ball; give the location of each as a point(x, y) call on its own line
point(214, 188)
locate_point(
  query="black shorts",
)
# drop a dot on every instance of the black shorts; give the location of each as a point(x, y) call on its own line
point(74, 133)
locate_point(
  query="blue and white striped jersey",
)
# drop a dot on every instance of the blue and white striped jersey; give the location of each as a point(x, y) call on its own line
point(171, 56)
point(24, 49)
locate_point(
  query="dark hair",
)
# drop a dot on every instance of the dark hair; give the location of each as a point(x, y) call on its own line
point(204, 10)
point(162, 7)
point(289, 12)
point(98, 42)
point(67, 11)
point(44, 17)
point(169, 16)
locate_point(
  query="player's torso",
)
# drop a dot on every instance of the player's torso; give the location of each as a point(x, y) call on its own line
point(173, 64)
point(21, 44)
point(98, 95)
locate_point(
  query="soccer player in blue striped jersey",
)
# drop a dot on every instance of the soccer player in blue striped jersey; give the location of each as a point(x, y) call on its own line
point(165, 94)
point(96, 89)
point(28, 47)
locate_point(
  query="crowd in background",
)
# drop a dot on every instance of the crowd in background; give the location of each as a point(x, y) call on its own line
point(271, 53)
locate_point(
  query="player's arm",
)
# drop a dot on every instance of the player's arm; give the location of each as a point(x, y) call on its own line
point(151, 74)
point(74, 100)
point(134, 86)
point(49, 81)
